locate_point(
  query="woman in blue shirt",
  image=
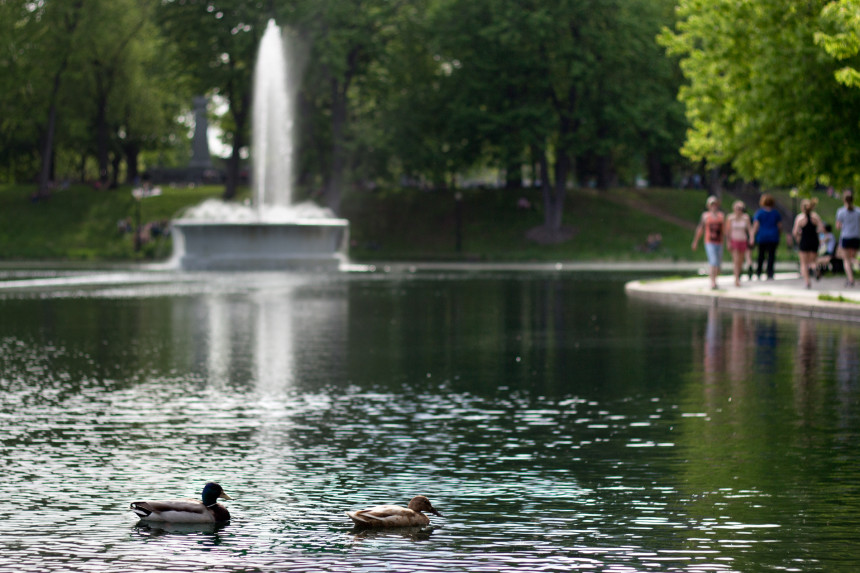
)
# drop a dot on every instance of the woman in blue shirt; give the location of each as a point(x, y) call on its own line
point(767, 226)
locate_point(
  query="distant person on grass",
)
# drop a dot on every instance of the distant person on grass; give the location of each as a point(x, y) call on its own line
point(827, 260)
point(711, 225)
point(848, 224)
point(738, 227)
point(767, 226)
point(807, 226)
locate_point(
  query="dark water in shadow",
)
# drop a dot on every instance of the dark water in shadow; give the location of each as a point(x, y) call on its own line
point(556, 424)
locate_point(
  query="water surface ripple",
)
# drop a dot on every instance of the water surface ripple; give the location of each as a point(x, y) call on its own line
point(555, 425)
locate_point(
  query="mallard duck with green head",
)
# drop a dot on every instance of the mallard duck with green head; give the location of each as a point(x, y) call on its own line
point(208, 510)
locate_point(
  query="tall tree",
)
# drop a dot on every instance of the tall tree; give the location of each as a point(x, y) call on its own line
point(840, 37)
point(110, 58)
point(217, 44)
point(20, 90)
point(559, 82)
point(347, 38)
point(52, 39)
point(761, 95)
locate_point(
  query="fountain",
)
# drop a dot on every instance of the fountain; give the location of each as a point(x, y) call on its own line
point(273, 233)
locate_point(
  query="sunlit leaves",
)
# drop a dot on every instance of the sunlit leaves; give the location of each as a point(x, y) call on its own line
point(761, 94)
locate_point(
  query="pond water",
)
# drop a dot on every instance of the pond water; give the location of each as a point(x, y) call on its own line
point(555, 423)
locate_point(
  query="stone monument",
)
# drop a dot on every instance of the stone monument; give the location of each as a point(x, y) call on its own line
point(200, 168)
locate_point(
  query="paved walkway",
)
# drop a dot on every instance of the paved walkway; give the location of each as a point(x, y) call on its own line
point(785, 294)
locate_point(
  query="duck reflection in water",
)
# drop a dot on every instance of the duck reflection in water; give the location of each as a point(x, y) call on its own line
point(414, 533)
point(159, 528)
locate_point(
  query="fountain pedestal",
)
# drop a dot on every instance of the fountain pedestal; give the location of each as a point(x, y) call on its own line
point(301, 244)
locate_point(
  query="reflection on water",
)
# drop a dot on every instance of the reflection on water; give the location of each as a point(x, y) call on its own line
point(557, 425)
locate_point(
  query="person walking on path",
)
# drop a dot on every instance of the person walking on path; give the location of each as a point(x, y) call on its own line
point(766, 229)
point(807, 225)
point(738, 234)
point(711, 225)
point(848, 224)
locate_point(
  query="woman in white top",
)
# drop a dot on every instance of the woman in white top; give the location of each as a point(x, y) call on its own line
point(848, 224)
point(738, 227)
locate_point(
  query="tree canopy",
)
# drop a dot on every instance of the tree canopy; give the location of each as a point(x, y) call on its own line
point(762, 95)
point(552, 93)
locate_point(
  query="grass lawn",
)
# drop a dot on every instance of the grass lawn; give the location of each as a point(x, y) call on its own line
point(606, 225)
point(80, 224)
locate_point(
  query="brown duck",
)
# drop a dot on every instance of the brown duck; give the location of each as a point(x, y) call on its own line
point(395, 515)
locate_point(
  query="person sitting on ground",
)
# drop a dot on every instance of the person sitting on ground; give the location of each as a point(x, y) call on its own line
point(653, 242)
point(827, 251)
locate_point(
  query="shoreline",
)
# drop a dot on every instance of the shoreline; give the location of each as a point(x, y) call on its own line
point(784, 295)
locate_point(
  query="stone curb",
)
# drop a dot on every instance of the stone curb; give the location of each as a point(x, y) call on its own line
point(784, 295)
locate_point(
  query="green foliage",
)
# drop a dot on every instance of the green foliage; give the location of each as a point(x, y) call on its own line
point(99, 67)
point(575, 79)
point(216, 47)
point(761, 95)
point(842, 20)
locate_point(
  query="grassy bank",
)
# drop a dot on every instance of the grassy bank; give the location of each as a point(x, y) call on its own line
point(81, 224)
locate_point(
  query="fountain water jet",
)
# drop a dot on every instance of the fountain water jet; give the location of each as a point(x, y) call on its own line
point(273, 233)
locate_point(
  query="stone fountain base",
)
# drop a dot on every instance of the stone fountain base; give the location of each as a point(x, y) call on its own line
point(301, 244)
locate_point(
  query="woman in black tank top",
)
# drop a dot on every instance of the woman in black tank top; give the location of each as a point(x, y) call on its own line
point(807, 225)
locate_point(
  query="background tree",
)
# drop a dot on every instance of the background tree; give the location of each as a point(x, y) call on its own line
point(761, 95)
point(841, 38)
point(347, 40)
point(21, 90)
point(216, 46)
point(45, 44)
point(566, 86)
point(110, 58)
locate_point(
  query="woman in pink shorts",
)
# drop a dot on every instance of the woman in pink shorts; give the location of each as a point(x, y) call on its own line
point(738, 227)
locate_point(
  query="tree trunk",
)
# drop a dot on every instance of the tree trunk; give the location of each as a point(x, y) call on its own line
point(715, 182)
point(659, 174)
point(334, 185)
point(116, 162)
point(83, 167)
point(545, 186)
point(604, 172)
point(513, 174)
point(132, 168)
point(553, 195)
point(234, 163)
point(46, 171)
point(48, 138)
point(102, 139)
point(562, 170)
